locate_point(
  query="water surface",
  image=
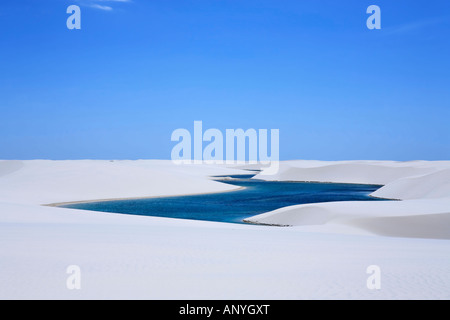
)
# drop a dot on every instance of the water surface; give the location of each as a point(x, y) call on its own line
point(258, 197)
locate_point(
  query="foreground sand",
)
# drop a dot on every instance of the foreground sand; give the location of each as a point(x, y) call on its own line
point(323, 256)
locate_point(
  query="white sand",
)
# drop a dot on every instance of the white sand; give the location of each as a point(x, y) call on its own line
point(324, 256)
point(423, 186)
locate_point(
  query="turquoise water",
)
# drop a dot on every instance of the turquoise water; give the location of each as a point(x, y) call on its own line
point(257, 197)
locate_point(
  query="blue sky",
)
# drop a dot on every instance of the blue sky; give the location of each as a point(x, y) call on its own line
point(137, 70)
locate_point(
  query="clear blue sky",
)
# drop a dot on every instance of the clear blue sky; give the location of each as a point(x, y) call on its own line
point(137, 70)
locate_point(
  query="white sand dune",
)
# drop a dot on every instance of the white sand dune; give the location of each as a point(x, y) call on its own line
point(365, 172)
point(323, 256)
point(412, 218)
point(433, 185)
point(45, 182)
point(428, 216)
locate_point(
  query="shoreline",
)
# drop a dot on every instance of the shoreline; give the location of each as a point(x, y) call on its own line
point(323, 182)
point(223, 179)
point(61, 204)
